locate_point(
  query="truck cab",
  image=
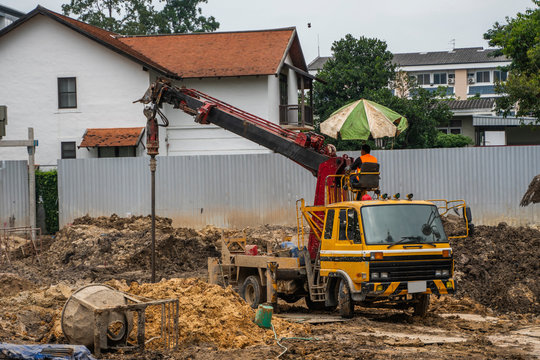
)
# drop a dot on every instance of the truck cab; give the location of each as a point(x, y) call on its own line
point(393, 251)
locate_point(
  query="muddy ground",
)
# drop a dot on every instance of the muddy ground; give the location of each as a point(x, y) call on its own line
point(494, 315)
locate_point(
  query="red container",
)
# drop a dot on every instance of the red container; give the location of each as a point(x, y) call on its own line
point(251, 250)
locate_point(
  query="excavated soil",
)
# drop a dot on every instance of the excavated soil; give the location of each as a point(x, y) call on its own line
point(498, 266)
point(494, 315)
point(208, 314)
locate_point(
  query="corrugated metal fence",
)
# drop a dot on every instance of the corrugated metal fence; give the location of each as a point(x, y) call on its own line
point(14, 193)
point(241, 190)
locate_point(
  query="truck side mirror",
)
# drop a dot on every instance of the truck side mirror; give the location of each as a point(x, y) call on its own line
point(426, 229)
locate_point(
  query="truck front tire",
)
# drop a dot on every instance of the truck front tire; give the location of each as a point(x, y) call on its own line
point(345, 302)
point(251, 291)
point(421, 305)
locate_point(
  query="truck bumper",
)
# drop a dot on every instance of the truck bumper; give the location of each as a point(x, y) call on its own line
point(385, 289)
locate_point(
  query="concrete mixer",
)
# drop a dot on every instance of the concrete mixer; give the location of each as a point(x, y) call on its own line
point(101, 317)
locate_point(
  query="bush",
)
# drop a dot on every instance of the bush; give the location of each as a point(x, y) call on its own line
point(47, 194)
point(452, 140)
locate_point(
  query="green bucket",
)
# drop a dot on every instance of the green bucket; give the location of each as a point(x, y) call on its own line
point(263, 316)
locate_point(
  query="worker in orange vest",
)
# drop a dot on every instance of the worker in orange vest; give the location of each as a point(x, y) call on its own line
point(364, 157)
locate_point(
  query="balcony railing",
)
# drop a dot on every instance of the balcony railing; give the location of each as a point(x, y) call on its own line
point(298, 116)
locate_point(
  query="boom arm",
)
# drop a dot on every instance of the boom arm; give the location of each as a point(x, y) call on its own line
point(306, 149)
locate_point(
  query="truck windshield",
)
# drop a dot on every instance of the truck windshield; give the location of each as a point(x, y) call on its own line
point(403, 223)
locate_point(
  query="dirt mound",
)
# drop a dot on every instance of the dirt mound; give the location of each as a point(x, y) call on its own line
point(209, 314)
point(104, 248)
point(532, 195)
point(107, 247)
point(11, 284)
point(119, 223)
point(499, 267)
point(34, 315)
point(451, 304)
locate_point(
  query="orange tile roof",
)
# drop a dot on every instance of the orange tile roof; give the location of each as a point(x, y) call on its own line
point(196, 55)
point(112, 137)
point(216, 54)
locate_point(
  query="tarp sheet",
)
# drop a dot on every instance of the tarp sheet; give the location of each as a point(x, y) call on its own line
point(49, 352)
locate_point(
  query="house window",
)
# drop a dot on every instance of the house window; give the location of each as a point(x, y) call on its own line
point(482, 76)
point(116, 151)
point(499, 75)
point(422, 79)
point(68, 150)
point(67, 93)
point(439, 78)
point(454, 127)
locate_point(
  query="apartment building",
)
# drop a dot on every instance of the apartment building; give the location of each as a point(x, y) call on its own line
point(466, 72)
point(468, 76)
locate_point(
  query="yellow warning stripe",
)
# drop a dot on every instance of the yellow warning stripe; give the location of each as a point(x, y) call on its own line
point(391, 288)
point(441, 286)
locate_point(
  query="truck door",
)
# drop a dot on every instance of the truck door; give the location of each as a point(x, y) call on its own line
point(348, 244)
point(327, 242)
point(348, 241)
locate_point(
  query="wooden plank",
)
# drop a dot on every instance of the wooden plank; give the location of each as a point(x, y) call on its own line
point(311, 318)
point(256, 261)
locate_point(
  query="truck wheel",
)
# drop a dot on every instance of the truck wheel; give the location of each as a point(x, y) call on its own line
point(345, 302)
point(422, 304)
point(251, 291)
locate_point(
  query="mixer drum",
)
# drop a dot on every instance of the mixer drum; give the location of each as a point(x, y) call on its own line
point(78, 317)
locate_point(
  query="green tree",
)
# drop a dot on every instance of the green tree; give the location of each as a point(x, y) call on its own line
point(519, 39)
point(139, 17)
point(425, 111)
point(358, 68)
point(181, 16)
point(47, 195)
point(362, 68)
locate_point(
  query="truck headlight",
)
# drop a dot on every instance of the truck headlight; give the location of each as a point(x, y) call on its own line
point(374, 275)
point(384, 275)
point(446, 273)
point(438, 273)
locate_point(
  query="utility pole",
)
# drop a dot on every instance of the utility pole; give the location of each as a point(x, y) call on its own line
point(152, 149)
point(32, 181)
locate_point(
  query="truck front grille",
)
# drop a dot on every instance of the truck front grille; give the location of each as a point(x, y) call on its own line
point(409, 270)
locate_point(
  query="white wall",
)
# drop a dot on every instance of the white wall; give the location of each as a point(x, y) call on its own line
point(33, 56)
point(253, 94)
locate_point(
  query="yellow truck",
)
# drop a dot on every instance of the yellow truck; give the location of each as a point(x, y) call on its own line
point(387, 252)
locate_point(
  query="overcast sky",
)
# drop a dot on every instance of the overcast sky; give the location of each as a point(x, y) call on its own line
point(406, 26)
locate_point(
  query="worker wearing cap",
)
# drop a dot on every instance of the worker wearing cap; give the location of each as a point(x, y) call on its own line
point(363, 158)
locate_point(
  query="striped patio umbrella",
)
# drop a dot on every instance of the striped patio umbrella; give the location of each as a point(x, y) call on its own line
point(361, 119)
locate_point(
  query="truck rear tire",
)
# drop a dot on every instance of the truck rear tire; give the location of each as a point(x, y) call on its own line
point(345, 302)
point(422, 305)
point(251, 291)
